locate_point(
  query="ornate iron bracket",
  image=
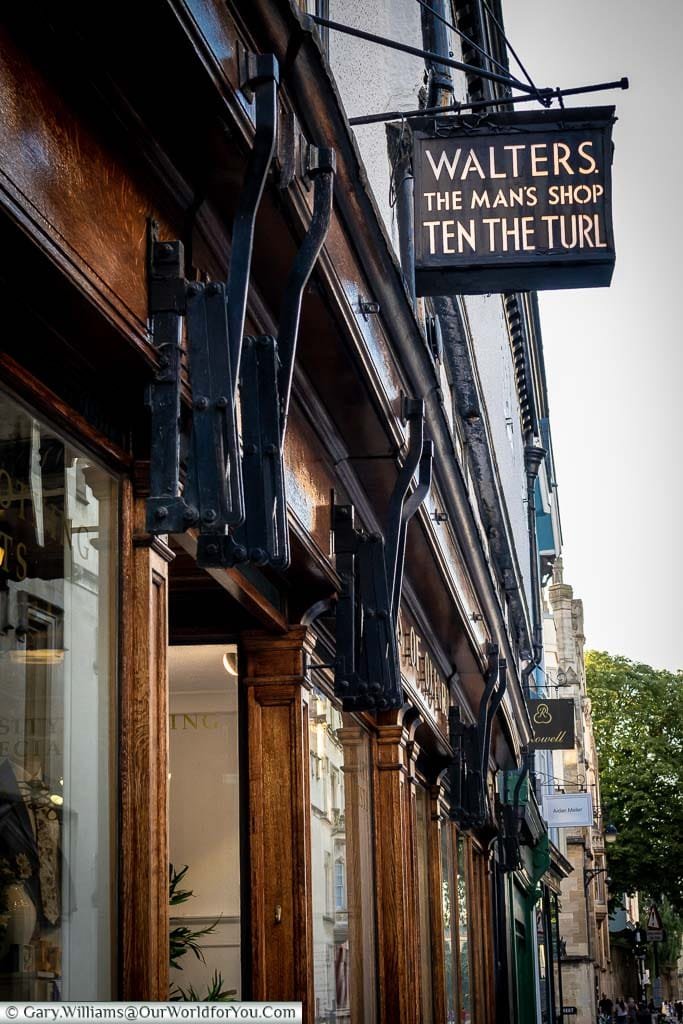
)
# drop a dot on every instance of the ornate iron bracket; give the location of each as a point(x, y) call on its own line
point(471, 745)
point(266, 385)
point(237, 499)
point(367, 665)
point(212, 497)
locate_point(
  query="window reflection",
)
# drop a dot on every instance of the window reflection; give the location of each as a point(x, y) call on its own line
point(58, 516)
point(449, 912)
point(342, 865)
point(463, 936)
point(422, 819)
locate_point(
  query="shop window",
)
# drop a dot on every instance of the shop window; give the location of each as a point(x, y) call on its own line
point(449, 913)
point(422, 839)
point(543, 977)
point(463, 934)
point(58, 638)
point(344, 954)
point(204, 812)
point(481, 955)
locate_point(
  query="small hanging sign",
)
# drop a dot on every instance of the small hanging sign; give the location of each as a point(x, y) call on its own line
point(553, 724)
point(514, 201)
point(568, 810)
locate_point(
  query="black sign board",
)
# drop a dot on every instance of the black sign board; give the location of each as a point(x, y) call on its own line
point(514, 202)
point(553, 724)
point(569, 1011)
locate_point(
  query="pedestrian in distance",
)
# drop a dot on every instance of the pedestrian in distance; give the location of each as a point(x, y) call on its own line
point(606, 1006)
point(644, 1015)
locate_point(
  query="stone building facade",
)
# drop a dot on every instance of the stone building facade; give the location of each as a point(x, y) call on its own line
point(586, 971)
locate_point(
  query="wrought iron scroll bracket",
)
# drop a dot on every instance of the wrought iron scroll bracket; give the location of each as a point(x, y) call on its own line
point(265, 385)
point(471, 745)
point(212, 497)
point(367, 667)
point(166, 507)
point(260, 78)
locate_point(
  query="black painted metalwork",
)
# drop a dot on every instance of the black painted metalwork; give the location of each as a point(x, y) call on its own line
point(471, 745)
point(166, 307)
point(461, 108)
point(212, 496)
point(416, 51)
point(321, 168)
point(266, 385)
point(236, 498)
point(465, 38)
point(367, 666)
point(260, 78)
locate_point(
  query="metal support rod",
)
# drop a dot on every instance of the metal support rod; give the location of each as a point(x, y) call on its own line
point(465, 38)
point(495, 703)
point(590, 873)
point(396, 525)
point(491, 677)
point(509, 45)
point(427, 55)
point(460, 108)
point(424, 482)
point(323, 190)
point(264, 83)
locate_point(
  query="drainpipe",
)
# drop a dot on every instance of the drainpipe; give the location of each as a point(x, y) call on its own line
point(435, 39)
point(533, 457)
point(400, 142)
point(405, 216)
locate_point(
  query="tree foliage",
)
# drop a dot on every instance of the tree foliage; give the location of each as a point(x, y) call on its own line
point(638, 723)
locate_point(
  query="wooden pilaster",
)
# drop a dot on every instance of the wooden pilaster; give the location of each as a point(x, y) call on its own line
point(397, 906)
point(144, 758)
point(274, 677)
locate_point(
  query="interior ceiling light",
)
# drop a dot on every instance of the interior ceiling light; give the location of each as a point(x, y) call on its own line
point(230, 663)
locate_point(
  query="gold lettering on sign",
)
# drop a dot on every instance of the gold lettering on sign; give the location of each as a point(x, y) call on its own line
point(191, 721)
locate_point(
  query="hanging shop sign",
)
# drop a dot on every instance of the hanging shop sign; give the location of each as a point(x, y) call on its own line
point(514, 202)
point(568, 810)
point(553, 724)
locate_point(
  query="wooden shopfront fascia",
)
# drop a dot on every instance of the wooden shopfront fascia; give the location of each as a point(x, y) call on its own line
point(101, 253)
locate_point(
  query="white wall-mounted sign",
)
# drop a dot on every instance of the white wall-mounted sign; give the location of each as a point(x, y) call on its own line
point(568, 810)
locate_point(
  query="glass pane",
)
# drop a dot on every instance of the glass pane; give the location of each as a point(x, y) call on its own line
point(344, 955)
point(465, 971)
point(422, 815)
point(204, 817)
point(544, 980)
point(58, 519)
point(449, 921)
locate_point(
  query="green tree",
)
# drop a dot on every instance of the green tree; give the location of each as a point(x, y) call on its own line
point(638, 724)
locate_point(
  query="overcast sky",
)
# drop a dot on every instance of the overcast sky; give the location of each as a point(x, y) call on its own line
point(614, 355)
